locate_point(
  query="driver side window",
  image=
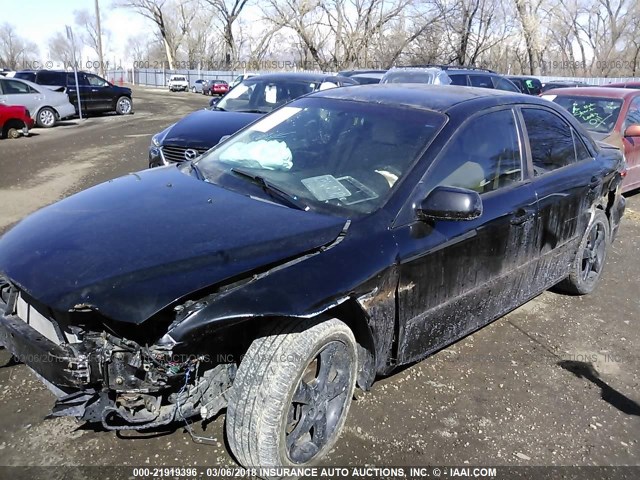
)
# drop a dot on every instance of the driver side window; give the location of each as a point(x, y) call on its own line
point(633, 114)
point(483, 156)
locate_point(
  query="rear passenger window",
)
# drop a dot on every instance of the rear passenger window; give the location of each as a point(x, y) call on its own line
point(581, 151)
point(483, 81)
point(550, 139)
point(458, 80)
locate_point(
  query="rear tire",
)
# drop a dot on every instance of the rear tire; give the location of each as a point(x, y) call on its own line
point(13, 133)
point(292, 392)
point(124, 105)
point(586, 268)
point(46, 117)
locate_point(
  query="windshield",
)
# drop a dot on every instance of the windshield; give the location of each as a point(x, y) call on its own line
point(329, 155)
point(262, 96)
point(594, 113)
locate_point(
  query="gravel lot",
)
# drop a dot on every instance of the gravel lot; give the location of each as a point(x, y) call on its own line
point(514, 393)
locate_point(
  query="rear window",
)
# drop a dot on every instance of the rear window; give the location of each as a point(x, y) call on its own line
point(532, 86)
point(52, 78)
point(594, 113)
point(408, 77)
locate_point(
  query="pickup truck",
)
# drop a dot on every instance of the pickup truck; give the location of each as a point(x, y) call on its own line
point(178, 82)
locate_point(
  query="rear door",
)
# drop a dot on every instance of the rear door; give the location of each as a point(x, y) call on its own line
point(456, 276)
point(566, 183)
point(85, 91)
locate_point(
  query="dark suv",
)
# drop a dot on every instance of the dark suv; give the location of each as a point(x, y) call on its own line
point(96, 94)
point(449, 75)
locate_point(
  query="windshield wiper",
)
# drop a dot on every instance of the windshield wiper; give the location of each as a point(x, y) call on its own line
point(271, 189)
point(254, 110)
point(194, 169)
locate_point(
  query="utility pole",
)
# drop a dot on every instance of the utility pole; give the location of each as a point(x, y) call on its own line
point(99, 32)
point(75, 67)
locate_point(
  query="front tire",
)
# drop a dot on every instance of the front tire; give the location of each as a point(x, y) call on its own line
point(586, 269)
point(13, 133)
point(292, 392)
point(46, 117)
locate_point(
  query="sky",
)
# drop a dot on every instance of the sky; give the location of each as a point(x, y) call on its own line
point(39, 20)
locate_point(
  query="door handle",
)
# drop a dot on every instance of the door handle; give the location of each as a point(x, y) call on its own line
point(596, 182)
point(522, 215)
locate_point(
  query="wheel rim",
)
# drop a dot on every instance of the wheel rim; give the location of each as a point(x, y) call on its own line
point(47, 117)
point(593, 254)
point(124, 105)
point(318, 403)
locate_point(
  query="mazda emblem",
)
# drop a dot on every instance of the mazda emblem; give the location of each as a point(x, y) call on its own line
point(190, 154)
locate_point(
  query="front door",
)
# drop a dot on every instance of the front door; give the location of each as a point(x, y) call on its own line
point(456, 276)
point(15, 92)
point(101, 93)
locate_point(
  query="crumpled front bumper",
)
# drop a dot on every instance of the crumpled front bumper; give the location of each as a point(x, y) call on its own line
point(58, 364)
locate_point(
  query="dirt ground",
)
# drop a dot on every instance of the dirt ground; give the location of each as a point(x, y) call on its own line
point(556, 382)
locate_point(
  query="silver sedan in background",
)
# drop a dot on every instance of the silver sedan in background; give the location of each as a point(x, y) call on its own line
point(47, 105)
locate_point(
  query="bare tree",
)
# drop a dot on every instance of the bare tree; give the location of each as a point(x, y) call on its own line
point(228, 12)
point(529, 15)
point(13, 47)
point(61, 49)
point(172, 19)
point(89, 36)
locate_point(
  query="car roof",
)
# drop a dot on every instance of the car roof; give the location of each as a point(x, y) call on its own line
point(622, 84)
point(349, 73)
point(439, 98)
point(522, 77)
point(303, 76)
point(451, 70)
point(604, 92)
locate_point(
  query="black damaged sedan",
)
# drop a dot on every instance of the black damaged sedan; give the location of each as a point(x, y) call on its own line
point(341, 236)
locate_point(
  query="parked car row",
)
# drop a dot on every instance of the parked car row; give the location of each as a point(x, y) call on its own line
point(51, 96)
point(255, 96)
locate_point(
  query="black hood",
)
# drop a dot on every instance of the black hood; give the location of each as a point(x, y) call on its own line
point(204, 128)
point(134, 245)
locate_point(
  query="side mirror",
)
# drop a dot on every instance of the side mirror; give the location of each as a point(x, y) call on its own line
point(632, 130)
point(450, 203)
point(214, 101)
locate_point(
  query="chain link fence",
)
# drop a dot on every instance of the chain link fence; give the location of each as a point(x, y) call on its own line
point(160, 77)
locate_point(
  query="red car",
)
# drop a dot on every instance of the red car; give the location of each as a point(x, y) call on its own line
point(624, 85)
point(14, 120)
point(611, 115)
point(216, 87)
